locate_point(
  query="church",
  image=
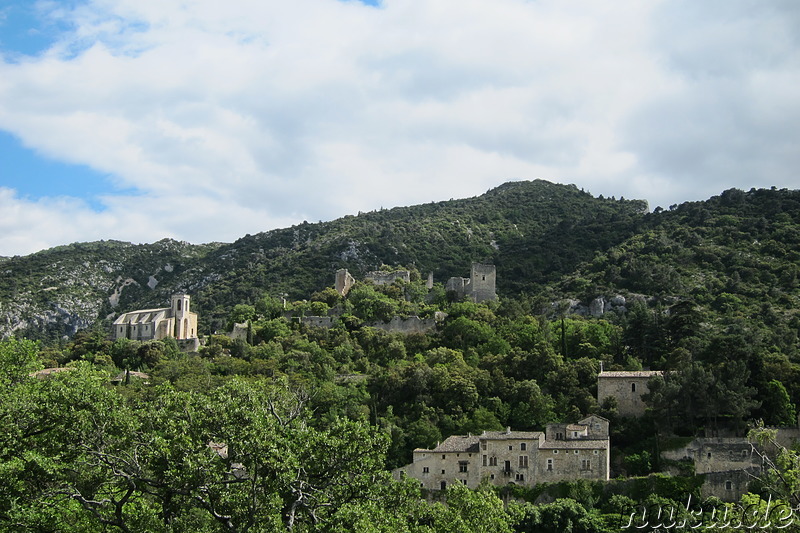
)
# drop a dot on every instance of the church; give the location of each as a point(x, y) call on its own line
point(153, 324)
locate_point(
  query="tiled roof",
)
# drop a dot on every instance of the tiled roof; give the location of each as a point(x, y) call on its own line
point(631, 374)
point(576, 427)
point(584, 444)
point(49, 371)
point(511, 435)
point(139, 316)
point(458, 443)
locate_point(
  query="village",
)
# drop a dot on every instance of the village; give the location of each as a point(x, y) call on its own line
point(580, 450)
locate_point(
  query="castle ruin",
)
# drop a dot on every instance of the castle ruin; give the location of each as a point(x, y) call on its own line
point(479, 287)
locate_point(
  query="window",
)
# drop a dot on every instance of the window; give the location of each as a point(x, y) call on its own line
point(462, 466)
point(633, 387)
point(443, 485)
point(442, 471)
point(555, 451)
point(485, 460)
point(510, 448)
point(523, 446)
point(576, 452)
point(492, 461)
point(520, 477)
point(426, 470)
point(442, 456)
point(728, 485)
point(463, 481)
point(491, 477)
point(549, 465)
point(709, 455)
point(574, 434)
point(596, 452)
point(483, 445)
point(585, 464)
point(523, 461)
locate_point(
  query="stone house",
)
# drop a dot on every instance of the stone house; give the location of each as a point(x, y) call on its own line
point(561, 452)
point(626, 388)
point(153, 324)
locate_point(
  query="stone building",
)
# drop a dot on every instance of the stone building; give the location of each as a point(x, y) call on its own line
point(626, 388)
point(479, 287)
point(562, 452)
point(153, 324)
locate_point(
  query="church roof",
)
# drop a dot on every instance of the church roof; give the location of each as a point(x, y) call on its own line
point(141, 316)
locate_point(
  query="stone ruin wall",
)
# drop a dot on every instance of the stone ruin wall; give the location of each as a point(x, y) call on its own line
point(412, 324)
point(344, 281)
point(387, 278)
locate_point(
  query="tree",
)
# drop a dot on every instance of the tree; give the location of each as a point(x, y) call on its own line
point(778, 409)
point(18, 358)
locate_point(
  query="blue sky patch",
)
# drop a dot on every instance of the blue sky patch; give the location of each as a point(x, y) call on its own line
point(34, 176)
point(26, 29)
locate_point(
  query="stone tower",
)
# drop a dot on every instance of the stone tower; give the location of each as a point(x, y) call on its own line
point(180, 313)
point(482, 282)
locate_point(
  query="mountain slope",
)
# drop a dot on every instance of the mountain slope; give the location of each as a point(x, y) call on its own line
point(533, 231)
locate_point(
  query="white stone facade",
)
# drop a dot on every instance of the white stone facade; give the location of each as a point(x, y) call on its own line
point(153, 324)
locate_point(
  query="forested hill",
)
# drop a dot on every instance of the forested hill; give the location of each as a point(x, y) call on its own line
point(736, 251)
point(534, 232)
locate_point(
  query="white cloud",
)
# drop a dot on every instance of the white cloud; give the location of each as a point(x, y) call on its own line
point(236, 119)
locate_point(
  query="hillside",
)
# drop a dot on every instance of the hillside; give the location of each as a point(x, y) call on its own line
point(534, 231)
point(706, 290)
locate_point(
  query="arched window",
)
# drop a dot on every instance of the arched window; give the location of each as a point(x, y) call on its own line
point(633, 387)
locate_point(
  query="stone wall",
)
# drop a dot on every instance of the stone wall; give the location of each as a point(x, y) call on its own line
point(317, 321)
point(719, 454)
point(627, 388)
point(728, 486)
point(189, 345)
point(344, 281)
point(239, 331)
point(387, 278)
point(412, 324)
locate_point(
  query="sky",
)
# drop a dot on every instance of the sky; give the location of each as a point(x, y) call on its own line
point(203, 121)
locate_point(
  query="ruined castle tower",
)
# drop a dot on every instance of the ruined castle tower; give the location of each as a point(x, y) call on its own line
point(344, 281)
point(482, 282)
